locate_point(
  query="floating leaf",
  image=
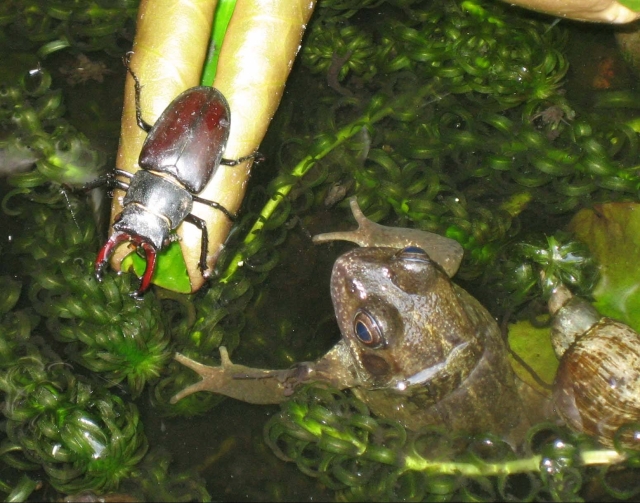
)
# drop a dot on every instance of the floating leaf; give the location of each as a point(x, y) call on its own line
point(612, 233)
point(533, 345)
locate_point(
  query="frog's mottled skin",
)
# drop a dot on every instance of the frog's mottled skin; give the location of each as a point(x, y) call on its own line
point(437, 356)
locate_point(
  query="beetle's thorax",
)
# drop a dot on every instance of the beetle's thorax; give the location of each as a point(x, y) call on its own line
point(153, 207)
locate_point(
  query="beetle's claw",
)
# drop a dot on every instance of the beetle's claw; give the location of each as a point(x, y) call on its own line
point(106, 251)
point(150, 253)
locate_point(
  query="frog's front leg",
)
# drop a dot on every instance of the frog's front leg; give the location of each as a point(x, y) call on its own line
point(244, 383)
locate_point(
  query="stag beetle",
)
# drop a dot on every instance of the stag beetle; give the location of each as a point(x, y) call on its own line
point(182, 151)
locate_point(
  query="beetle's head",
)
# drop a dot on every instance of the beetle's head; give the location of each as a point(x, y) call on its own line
point(144, 230)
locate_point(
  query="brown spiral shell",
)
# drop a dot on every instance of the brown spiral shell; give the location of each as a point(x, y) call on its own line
point(597, 387)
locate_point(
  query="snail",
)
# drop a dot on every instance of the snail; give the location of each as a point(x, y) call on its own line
point(597, 385)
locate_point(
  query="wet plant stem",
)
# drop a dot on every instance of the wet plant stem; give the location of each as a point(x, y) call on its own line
point(531, 464)
point(23, 489)
point(377, 111)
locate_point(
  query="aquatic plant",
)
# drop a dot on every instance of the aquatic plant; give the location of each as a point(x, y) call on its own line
point(525, 147)
point(84, 25)
point(334, 437)
point(467, 121)
point(516, 274)
point(81, 435)
point(449, 117)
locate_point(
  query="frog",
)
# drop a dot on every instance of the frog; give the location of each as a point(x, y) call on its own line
point(415, 347)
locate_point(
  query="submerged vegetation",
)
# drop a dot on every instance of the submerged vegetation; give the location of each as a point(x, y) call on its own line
point(449, 116)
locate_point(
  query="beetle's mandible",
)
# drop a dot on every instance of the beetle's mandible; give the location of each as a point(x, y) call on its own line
point(182, 151)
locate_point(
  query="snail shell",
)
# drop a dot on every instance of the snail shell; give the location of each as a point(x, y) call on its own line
point(597, 386)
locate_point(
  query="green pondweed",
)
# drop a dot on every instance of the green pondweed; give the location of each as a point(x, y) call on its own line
point(450, 117)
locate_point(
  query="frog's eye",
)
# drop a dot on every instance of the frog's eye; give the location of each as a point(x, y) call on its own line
point(367, 330)
point(414, 249)
point(414, 253)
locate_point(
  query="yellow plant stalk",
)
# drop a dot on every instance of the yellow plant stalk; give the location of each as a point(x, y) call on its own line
point(257, 54)
point(260, 46)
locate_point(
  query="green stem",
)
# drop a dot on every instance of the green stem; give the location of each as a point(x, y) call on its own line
point(373, 115)
point(23, 490)
point(634, 124)
point(222, 16)
point(532, 464)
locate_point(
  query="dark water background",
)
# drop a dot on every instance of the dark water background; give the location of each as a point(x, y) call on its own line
point(226, 446)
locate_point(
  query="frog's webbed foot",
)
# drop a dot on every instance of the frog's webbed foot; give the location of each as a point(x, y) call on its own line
point(244, 383)
point(445, 252)
point(211, 376)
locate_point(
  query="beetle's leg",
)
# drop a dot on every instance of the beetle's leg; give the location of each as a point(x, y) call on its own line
point(150, 253)
point(106, 251)
point(204, 243)
point(217, 206)
point(256, 156)
point(141, 122)
point(109, 180)
point(122, 172)
point(119, 183)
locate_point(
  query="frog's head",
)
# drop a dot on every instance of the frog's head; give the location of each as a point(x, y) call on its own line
point(400, 317)
point(399, 314)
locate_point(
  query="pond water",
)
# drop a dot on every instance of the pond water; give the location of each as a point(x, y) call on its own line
point(288, 315)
